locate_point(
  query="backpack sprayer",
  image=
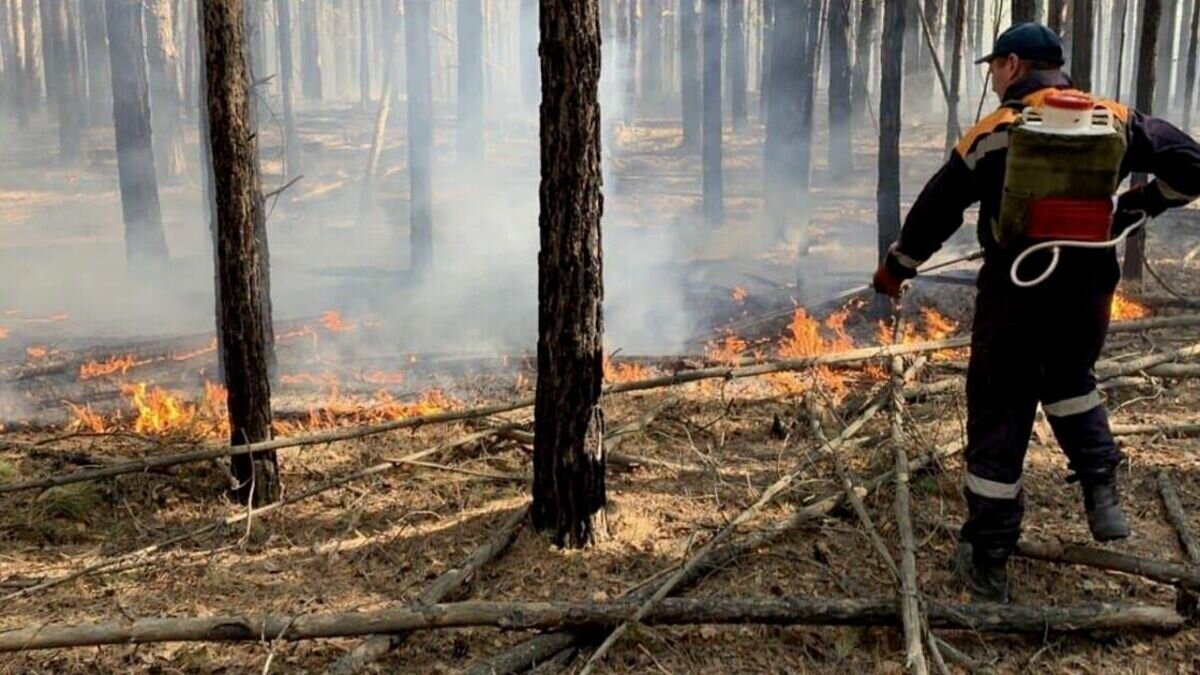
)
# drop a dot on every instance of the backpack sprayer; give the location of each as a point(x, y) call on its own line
point(1064, 166)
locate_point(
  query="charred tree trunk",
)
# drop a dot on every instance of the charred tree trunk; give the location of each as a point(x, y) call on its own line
point(784, 151)
point(1187, 38)
point(99, 87)
point(714, 203)
point(256, 59)
point(652, 53)
point(887, 190)
point(62, 78)
point(689, 72)
point(162, 57)
point(568, 458)
point(1116, 47)
point(241, 264)
point(291, 140)
point(1165, 56)
point(1189, 90)
point(12, 85)
point(1056, 15)
point(528, 42)
point(310, 51)
point(1083, 23)
point(625, 64)
point(1135, 246)
point(631, 56)
point(841, 161)
point(955, 29)
point(420, 134)
point(470, 82)
point(864, 40)
point(31, 68)
point(735, 69)
point(766, 43)
point(382, 115)
point(364, 54)
point(1024, 10)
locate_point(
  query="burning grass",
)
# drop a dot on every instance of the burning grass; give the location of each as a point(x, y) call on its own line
point(1127, 309)
point(113, 365)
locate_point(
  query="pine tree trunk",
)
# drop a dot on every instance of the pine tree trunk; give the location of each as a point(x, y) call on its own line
point(789, 95)
point(713, 184)
point(382, 115)
point(915, 97)
point(162, 56)
point(470, 82)
point(1024, 10)
point(735, 69)
point(1083, 24)
point(145, 243)
point(652, 55)
point(256, 58)
point(99, 81)
point(18, 73)
point(1057, 15)
point(631, 56)
point(241, 265)
point(624, 65)
point(1116, 47)
point(1165, 57)
point(62, 78)
point(568, 457)
point(33, 69)
point(887, 190)
point(955, 29)
point(420, 134)
point(291, 139)
point(528, 37)
point(766, 43)
point(689, 72)
point(1189, 95)
point(1135, 246)
point(864, 41)
point(841, 161)
point(1187, 36)
point(311, 83)
point(364, 54)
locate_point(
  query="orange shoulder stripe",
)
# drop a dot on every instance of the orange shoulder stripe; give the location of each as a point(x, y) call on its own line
point(985, 126)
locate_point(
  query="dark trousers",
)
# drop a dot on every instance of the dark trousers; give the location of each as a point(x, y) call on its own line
point(1031, 346)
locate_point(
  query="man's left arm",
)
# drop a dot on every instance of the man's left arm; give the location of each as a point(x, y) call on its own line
point(1158, 147)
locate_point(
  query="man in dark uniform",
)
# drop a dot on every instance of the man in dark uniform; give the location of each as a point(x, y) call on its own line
point(1034, 345)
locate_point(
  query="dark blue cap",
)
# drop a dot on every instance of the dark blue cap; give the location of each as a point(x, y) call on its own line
point(1030, 42)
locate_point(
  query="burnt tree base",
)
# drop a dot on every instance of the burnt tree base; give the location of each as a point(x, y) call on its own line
point(256, 478)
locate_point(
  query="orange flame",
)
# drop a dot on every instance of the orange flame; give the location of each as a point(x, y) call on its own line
point(85, 419)
point(728, 351)
point(56, 318)
point(623, 372)
point(332, 321)
point(383, 377)
point(111, 366)
point(184, 356)
point(1126, 309)
point(36, 353)
point(158, 411)
point(740, 294)
point(3, 333)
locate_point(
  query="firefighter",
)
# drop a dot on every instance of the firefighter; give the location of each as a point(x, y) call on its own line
point(1034, 345)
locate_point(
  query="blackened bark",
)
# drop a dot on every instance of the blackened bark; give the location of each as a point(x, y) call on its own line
point(62, 78)
point(957, 16)
point(99, 87)
point(840, 77)
point(1165, 56)
point(766, 43)
point(1056, 15)
point(735, 68)
point(864, 40)
point(291, 139)
point(241, 265)
point(1116, 47)
point(1135, 246)
point(528, 43)
point(311, 80)
point(887, 190)
point(162, 57)
point(1187, 37)
point(31, 69)
point(689, 72)
point(420, 134)
point(652, 53)
point(1083, 22)
point(1189, 90)
point(1024, 10)
point(256, 59)
point(470, 82)
point(145, 244)
point(568, 459)
point(714, 204)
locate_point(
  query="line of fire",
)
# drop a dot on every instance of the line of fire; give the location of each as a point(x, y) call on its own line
point(599, 336)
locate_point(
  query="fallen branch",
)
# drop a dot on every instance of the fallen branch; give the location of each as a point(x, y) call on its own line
point(542, 615)
point(1174, 574)
point(729, 373)
point(1182, 429)
point(1110, 369)
point(242, 516)
point(451, 583)
point(1176, 516)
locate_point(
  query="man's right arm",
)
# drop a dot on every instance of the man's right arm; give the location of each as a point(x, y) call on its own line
point(934, 217)
point(1157, 147)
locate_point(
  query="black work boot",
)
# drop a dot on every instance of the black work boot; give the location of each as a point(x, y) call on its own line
point(984, 571)
point(1103, 504)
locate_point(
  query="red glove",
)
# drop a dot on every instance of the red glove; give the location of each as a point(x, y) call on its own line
point(885, 282)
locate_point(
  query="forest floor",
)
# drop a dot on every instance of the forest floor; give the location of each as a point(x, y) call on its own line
point(380, 541)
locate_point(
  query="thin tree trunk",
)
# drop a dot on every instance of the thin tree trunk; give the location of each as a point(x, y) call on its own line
point(652, 53)
point(864, 41)
point(145, 243)
point(62, 75)
point(1024, 10)
point(1189, 96)
point(34, 69)
point(420, 134)
point(1116, 46)
point(631, 56)
point(1164, 56)
point(1056, 17)
point(470, 82)
point(256, 58)
point(1187, 36)
point(713, 184)
point(390, 75)
point(1135, 246)
point(162, 57)
point(624, 60)
point(241, 263)
point(887, 190)
point(364, 54)
point(785, 155)
point(689, 72)
point(841, 161)
point(766, 43)
point(956, 28)
point(1083, 24)
point(735, 69)
point(311, 80)
point(291, 139)
point(568, 457)
point(22, 85)
point(99, 81)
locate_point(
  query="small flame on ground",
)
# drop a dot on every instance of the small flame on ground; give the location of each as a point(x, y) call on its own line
point(1126, 309)
point(740, 294)
point(728, 350)
point(3, 332)
point(56, 318)
point(383, 377)
point(332, 321)
point(86, 419)
point(623, 372)
point(113, 365)
point(36, 353)
point(158, 411)
point(184, 356)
